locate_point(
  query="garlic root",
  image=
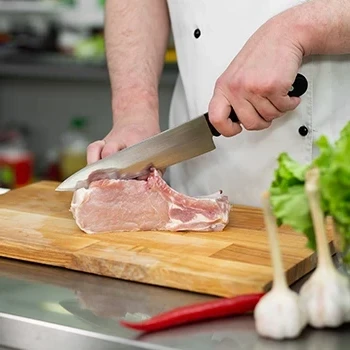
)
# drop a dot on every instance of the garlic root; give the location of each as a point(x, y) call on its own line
point(326, 295)
point(278, 314)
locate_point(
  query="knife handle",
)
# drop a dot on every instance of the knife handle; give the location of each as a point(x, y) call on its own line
point(298, 88)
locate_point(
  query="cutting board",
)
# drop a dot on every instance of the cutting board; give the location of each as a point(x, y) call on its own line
point(36, 226)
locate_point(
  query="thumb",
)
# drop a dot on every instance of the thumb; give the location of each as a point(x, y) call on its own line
point(219, 111)
point(293, 102)
point(93, 152)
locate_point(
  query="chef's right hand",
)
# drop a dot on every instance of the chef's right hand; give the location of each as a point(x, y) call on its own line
point(126, 131)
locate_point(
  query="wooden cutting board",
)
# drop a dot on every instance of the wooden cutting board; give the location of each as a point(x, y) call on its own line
point(36, 226)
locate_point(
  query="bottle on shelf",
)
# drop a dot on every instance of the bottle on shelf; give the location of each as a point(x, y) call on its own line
point(74, 143)
point(16, 160)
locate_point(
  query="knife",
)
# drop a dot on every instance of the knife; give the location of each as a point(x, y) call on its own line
point(167, 148)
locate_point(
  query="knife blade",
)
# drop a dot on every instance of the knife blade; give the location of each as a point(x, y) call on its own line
point(167, 148)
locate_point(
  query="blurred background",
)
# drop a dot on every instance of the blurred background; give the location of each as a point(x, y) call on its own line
point(54, 87)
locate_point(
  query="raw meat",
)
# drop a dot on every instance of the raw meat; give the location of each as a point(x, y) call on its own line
point(110, 205)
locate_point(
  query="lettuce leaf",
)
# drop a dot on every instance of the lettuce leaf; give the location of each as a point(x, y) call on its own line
point(288, 198)
point(335, 181)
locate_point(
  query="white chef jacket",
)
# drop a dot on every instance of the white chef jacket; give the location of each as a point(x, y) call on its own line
point(207, 35)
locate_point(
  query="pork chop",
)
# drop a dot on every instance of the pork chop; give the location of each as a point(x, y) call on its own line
point(111, 205)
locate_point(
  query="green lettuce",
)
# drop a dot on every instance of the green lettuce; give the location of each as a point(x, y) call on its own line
point(335, 181)
point(288, 198)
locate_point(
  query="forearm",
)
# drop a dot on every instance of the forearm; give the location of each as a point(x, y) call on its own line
point(320, 26)
point(136, 34)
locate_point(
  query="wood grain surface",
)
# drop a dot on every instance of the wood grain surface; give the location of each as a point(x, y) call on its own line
point(36, 226)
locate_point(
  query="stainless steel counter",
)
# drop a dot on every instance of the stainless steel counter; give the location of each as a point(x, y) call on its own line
point(50, 308)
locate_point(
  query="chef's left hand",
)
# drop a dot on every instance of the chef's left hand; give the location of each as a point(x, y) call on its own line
point(257, 81)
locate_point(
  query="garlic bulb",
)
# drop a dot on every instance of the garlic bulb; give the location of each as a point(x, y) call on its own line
point(326, 295)
point(278, 314)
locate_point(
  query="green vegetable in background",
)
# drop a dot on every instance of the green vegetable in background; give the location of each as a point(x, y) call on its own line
point(71, 3)
point(92, 48)
point(288, 197)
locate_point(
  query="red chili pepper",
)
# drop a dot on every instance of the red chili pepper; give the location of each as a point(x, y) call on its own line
point(238, 305)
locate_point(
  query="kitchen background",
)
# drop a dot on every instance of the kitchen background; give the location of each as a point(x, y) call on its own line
point(54, 87)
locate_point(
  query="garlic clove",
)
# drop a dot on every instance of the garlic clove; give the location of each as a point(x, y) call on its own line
point(326, 298)
point(279, 315)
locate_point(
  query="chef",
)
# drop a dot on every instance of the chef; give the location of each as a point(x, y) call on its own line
point(244, 54)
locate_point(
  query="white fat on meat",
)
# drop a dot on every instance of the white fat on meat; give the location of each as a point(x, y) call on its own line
point(111, 205)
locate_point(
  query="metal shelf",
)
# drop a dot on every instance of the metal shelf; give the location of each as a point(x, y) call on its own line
point(27, 7)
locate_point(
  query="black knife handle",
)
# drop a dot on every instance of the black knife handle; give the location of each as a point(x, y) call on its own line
point(298, 88)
